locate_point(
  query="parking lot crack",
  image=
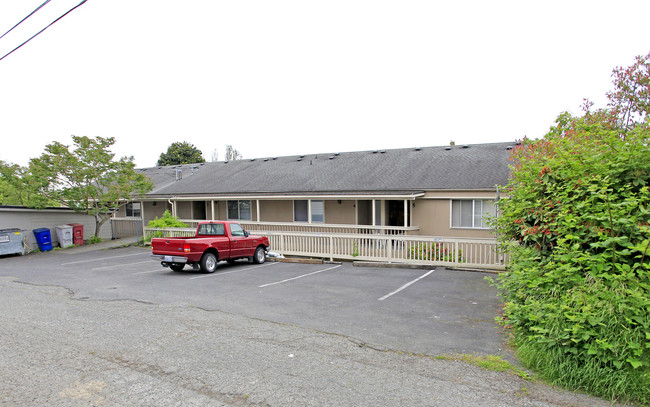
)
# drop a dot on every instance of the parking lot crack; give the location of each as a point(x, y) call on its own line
point(189, 383)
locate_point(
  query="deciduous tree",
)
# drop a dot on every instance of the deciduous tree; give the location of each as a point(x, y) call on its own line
point(88, 179)
point(24, 186)
point(181, 153)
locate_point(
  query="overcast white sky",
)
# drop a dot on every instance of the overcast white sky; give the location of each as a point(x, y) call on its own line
point(278, 77)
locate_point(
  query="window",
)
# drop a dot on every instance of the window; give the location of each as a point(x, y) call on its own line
point(237, 230)
point(471, 213)
point(301, 211)
point(212, 229)
point(317, 211)
point(239, 210)
point(133, 210)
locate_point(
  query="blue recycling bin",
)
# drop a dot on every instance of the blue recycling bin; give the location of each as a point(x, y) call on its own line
point(44, 239)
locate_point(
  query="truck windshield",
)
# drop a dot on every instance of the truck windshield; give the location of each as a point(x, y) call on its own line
point(212, 229)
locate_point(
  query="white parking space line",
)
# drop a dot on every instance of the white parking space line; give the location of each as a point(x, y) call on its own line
point(295, 278)
point(102, 258)
point(112, 266)
point(217, 274)
point(148, 272)
point(405, 286)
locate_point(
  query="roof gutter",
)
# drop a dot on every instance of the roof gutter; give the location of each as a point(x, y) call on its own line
point(288, 197)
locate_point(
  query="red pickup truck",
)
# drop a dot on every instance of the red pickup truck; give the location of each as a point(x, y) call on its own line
point(214, 241)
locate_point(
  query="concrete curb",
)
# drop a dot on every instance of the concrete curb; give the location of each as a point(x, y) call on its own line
point(418, 267)
point(294, 260)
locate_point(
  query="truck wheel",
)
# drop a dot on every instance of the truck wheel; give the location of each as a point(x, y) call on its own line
point(259, 257)
point(208, 263)
point(176, 266)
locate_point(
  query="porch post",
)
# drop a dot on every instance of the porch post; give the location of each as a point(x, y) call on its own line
point(258, 210)
point(406, 213)
point(309, 210)
point(374, 215)
point(142, 217)
point(212, 209)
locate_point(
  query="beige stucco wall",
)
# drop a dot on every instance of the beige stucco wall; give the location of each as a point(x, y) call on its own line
point(276, 211)
point(433, 218)
point(151, 211)
point(431, 213)
point(340, 214)
point(184, 209)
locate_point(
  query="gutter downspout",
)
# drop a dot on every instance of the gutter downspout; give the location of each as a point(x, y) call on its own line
point(173, 207)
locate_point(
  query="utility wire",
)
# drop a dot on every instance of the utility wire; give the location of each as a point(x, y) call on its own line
point(46, 27)
point(29, 15)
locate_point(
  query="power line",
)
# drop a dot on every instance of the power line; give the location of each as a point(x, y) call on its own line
point(29, 15)
point(46, 27)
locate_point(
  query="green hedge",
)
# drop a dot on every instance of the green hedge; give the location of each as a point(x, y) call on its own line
point(577, 292)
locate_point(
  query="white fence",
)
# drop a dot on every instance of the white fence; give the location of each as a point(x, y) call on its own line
point(425, 250)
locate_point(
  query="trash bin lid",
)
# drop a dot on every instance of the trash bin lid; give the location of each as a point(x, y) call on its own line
point(64, 227)
point(9, 230)
point(41, 230)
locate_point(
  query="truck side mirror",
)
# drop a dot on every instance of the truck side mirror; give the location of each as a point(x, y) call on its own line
point(246, 233)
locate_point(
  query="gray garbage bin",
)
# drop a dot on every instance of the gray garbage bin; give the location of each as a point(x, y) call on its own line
point(11, 242)
point(64, 235)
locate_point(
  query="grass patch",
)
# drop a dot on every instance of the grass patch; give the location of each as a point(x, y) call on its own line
point(489, 362)
point(590, 375)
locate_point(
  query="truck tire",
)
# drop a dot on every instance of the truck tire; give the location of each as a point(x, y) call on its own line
point(209, 263)
point(176, 266)
point(259, 257)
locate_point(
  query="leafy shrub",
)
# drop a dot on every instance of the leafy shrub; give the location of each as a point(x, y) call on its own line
point(577, 291)
point(435, 252)
point(165, 221)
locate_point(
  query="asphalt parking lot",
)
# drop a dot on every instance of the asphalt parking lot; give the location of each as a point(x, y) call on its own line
point(431, 312)
point(89, 327)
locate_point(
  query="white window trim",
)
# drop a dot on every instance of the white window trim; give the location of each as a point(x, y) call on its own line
point(451, 214)
point(132, 204)
point(310, 213)
point(239, 218)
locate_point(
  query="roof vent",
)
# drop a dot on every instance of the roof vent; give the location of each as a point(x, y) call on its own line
point(383, 152)
point(331, 157)
point(375, 152)
point(252, 159)
point(337, 154)
point(418, 148)
point(464, 146)
point(299, 159)
point(509, 148)
point(225, 162)
point(448, 148)
point(275, 158)
point(266, 159)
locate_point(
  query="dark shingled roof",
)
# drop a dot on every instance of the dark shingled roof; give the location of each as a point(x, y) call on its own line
point(468, 167)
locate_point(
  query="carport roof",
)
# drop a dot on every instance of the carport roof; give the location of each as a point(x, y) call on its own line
point(404, 171)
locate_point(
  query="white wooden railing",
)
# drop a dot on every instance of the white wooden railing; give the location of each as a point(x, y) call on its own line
point(424, 250)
